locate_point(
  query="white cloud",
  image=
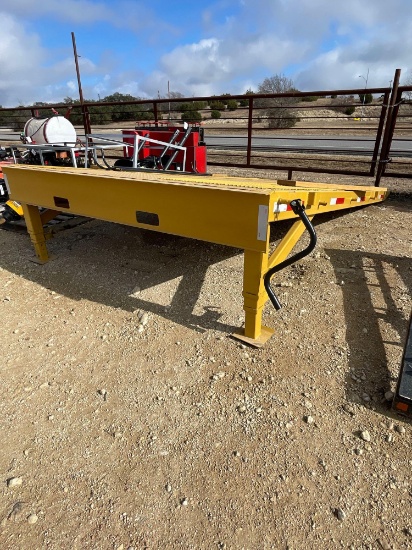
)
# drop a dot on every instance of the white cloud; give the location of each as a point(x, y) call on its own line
point(319, 44)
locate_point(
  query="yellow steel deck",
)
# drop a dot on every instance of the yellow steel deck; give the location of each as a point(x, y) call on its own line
point(225, 210)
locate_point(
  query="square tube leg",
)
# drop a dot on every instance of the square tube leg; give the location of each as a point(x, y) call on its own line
point(35, 229)
point(255, 297)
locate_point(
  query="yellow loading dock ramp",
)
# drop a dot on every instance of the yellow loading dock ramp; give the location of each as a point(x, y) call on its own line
point(220, 209)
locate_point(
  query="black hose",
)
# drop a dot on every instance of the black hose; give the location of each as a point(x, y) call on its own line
point(299, 209)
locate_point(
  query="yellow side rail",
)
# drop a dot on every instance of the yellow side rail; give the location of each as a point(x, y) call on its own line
point(220, 209)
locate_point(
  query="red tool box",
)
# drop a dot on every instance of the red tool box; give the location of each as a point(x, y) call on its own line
point(193, 142)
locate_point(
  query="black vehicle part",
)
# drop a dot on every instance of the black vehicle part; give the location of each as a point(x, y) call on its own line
point(9, 215)
point(123, 163)
point(4, 194)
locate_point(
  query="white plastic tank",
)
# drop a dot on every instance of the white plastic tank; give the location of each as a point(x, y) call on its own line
point(55, 130)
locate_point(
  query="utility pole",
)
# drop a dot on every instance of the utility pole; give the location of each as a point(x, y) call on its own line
point(86, 119)
point(364, 95)
point(168, 94)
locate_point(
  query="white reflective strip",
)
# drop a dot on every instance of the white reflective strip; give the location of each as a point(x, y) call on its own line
point(263, 218)
point(280, 207)
point(333, 201)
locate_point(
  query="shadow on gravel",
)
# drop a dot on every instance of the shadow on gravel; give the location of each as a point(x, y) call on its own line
point(376, 322)
point(131, 269)
point(115, 265)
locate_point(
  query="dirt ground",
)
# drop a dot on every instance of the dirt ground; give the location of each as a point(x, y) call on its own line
point(131, 419)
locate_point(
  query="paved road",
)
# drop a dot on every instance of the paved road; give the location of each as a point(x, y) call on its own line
point(354, 145)
point(350, 145)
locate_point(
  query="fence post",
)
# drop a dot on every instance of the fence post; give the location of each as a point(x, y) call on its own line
point(249, 132)
point(378, 139)
point(393, 109)
point(155, 113)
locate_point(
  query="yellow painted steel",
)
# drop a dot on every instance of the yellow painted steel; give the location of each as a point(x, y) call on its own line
point(221, 209)
point(35, 229)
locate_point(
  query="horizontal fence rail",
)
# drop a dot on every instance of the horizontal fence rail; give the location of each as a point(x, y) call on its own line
point(354, 132)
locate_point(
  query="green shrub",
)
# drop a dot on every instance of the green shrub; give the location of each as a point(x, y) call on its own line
point(191, 116)
point(215, 114)
point(310, 98)
point(231, 104)
point(349, 110)
point(217, 105)
point(366, 98)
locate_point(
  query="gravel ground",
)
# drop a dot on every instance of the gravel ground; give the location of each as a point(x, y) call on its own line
point(132, 419)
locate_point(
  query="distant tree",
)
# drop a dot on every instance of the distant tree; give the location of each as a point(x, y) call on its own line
point(118, 97)
point(173, 106)
point(343, 104)
point(309, 98)
point(365, 98)
point(15, 119)
point(217, 105)
point(232, 104)
point(191, 116)
point(193, 106)
point(245, 102)
point(277, 109)
point(215, 114)
point(408, 82)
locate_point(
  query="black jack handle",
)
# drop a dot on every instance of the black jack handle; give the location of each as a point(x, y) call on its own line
point(299, 209)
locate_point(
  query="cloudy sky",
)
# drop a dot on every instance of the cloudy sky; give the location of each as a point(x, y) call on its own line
point(200, 48)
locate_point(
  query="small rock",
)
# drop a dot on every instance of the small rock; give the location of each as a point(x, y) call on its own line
point(241, 409)
point(103, 393)
point(14, 482)
point(351, 410)
point(168, 488)
point(32, 519)
point(184, 502)
point(389, 395)
point(309, 419)
point(144, 319)
point(400, 429)
point(365, 435)
point(340, 514)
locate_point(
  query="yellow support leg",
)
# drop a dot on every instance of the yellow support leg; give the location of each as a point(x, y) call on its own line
point(256, 265)
point(35, 229)
point(254, 293)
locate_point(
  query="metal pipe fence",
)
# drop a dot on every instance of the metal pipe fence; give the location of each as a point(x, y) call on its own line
point(332, 131)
